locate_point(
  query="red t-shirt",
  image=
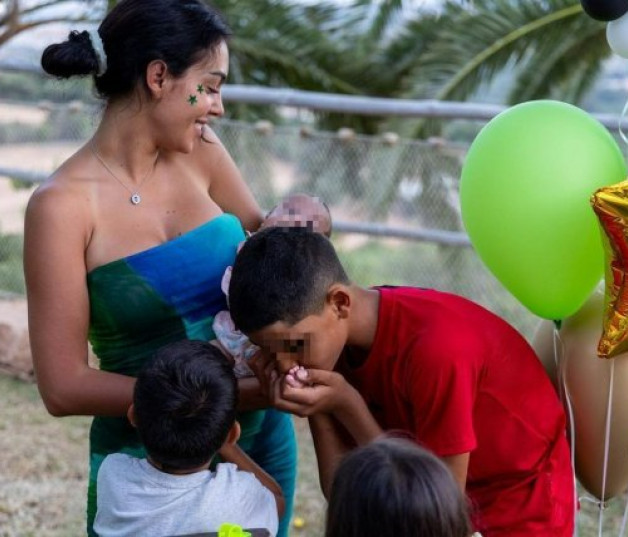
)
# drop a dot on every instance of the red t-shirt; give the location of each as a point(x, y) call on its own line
point(460, 379)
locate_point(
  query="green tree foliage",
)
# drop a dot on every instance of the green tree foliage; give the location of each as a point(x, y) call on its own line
point(396, 48)
point(17, 16)
point(390, 48)
point(551, 47)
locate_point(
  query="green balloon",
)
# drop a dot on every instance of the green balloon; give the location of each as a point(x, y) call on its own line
point(524, 192)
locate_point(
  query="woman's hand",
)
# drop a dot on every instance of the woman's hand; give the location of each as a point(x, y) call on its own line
point(263, 364)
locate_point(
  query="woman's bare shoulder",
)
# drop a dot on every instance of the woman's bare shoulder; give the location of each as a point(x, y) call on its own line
point(210, 149)
point(210, 137)
point(63, 197)
point(208, 160)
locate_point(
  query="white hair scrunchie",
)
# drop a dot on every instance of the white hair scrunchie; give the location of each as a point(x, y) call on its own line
point(99, 49)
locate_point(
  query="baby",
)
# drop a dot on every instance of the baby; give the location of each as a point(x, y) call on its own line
point(300, 210)
point(295, 210)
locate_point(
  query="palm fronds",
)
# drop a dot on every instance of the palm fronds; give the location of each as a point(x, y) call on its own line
point(542, 41)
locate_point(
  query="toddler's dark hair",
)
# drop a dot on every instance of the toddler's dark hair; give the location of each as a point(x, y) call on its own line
point(394, 487)
point(185, 402)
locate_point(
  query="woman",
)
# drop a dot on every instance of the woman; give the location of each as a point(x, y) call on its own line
point(126, 243)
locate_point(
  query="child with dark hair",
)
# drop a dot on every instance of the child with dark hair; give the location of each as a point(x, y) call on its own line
point(394, 487)
point(459, 379)
point(295, 210)
point(184, 408)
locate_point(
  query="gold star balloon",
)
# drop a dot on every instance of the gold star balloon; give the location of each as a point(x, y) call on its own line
point(610, 204)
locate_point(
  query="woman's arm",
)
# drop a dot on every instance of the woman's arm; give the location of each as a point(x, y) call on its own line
point(56, 235)
point(251, 396)
point(226, 187)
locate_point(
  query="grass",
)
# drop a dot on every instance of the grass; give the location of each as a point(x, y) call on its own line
point(43, 474)
point(43, 468)
point(11, 268)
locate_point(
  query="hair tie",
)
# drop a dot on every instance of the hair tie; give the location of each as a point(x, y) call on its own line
point(99, 49)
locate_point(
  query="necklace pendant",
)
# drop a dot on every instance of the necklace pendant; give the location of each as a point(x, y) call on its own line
point(135, 198)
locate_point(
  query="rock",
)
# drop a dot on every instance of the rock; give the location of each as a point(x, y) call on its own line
point(15, 353)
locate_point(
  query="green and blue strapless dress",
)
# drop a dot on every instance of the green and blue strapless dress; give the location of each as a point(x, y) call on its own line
point(161, 295)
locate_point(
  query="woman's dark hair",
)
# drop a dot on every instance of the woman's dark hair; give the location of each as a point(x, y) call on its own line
point(135, 33)
point(185, 402)
point(394, 487)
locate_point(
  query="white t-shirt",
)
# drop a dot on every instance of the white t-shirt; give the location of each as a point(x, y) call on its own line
point(135, 499)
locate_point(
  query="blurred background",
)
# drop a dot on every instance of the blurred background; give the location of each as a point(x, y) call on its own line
point(371, 105)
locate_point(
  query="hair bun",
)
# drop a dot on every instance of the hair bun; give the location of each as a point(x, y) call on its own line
point(74, 57)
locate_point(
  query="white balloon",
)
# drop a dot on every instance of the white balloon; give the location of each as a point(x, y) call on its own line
point(617, 35)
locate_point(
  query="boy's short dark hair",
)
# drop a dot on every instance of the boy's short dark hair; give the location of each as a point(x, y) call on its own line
point(282, 274)
point(185, 402)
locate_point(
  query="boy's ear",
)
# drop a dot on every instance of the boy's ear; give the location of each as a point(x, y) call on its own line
point(234, 433)
point(339, 298)
point(130, 414)
point(156, 76)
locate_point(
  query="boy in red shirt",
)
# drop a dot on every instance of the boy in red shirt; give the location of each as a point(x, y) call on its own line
point(460, 380)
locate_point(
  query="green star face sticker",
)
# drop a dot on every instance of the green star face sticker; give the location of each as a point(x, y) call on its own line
point(200, 88)
point(192, 99)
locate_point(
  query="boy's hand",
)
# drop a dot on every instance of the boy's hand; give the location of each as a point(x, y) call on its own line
point(319, 391)
point(328, 393)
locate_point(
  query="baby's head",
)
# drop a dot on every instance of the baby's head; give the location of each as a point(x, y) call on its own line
point(184, 405)
point(300, 210)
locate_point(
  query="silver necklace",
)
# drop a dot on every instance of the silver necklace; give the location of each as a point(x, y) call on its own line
point(135, 198)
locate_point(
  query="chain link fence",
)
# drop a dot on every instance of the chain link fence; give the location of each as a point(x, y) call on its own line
point(383, 188)
point(394, 201)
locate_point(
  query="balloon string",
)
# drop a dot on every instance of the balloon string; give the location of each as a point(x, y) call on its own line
point(592, 499)
point(623, 521)
point(619, 123)
point(560, 362)
point(607, 442)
